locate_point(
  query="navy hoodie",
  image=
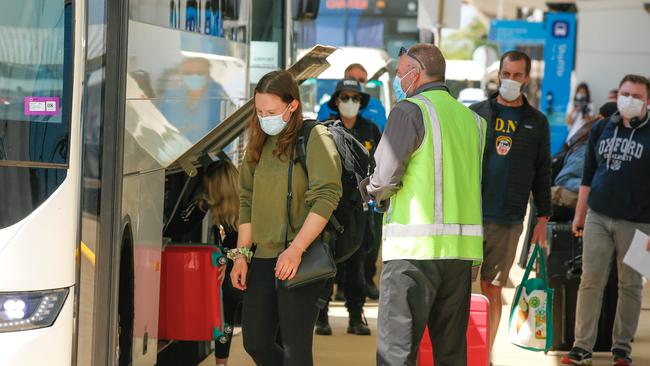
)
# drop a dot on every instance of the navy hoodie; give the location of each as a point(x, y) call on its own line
point(617, 168)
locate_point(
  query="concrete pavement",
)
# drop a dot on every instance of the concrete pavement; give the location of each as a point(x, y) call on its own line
point(342, 349)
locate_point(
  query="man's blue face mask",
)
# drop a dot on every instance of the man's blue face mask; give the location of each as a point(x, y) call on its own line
point(400, 94)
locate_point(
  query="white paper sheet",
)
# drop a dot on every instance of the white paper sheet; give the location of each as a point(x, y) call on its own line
point(638, 257)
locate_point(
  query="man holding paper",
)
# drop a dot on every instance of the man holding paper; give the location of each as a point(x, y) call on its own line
point(613, 203)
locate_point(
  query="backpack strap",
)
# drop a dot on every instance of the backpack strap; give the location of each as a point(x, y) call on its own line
point(303, 139)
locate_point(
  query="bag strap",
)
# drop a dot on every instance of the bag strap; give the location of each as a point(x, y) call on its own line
point(303, 139)
point(289, 197)
point(538, 255)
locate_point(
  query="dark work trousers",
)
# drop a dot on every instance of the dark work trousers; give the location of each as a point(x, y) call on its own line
point(373, 240)
point(354, 284)
point(231, 299)
point(419, 293)
point(268, 308)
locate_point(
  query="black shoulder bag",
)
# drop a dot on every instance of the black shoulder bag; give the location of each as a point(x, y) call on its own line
point(317, 261)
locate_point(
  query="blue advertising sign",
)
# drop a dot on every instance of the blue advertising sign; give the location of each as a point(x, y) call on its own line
point(516, 32)
point(559, 54)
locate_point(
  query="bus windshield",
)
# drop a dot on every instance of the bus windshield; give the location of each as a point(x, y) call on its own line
point(35, 74)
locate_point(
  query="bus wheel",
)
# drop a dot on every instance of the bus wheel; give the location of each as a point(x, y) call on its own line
point(126, 306)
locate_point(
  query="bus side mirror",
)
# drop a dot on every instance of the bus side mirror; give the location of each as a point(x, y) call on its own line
point(305, 9)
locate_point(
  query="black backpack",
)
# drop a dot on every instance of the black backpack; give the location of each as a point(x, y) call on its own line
point(356, 164)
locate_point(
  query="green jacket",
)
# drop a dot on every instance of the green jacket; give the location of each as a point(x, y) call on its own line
point(263, 191)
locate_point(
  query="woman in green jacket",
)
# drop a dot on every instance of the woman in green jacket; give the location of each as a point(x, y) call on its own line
point(263, 181)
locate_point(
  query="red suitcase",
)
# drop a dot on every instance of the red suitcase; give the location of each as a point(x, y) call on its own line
point(190, 294)
point(478, 335)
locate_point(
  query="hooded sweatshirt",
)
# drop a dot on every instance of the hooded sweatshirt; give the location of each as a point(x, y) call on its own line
point(617, 168)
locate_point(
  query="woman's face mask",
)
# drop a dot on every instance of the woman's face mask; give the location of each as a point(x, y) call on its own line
point(273, 125)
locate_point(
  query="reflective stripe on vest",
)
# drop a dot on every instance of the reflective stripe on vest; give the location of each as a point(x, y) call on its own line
point(438, 227)
point(412, 231)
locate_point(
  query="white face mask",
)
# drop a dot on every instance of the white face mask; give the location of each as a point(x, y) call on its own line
point(273, 125)
point(629, 107)
point(510, 89)
point(349, 109)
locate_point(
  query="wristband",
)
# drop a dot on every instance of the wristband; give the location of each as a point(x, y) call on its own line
point(244, 252)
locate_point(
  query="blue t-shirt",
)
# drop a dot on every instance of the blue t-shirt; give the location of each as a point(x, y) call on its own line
point(497, 153)
point(617, 169)
point(373, 112)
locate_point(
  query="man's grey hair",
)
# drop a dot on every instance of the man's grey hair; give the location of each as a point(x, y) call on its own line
point(432, 59)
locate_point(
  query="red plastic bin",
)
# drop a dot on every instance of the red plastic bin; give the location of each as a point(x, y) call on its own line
point(478, 336)
point(190, 294)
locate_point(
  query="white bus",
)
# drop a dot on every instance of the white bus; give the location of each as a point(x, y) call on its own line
point(103, 105)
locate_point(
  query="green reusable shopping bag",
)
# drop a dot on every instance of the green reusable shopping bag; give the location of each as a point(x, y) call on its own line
point(531, 314)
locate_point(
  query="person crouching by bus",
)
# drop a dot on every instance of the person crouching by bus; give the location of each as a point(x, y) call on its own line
point(613, 202)
point(268, 307)
point(221, 184)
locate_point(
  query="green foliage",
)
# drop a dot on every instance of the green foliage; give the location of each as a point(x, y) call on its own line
point(460, 44)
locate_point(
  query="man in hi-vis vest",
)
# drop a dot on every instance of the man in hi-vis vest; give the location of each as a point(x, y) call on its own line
point(429, 166)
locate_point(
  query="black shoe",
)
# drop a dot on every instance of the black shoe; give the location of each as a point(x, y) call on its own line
point(621, 357)
point(339, 296)
point(577, 356)
point(371, 291)
point(358, 324)
point(323, 327)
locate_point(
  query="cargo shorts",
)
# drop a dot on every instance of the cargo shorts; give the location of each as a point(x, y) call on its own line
point(499, 251)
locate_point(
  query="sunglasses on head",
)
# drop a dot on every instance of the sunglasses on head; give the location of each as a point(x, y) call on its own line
point(345, 98)
point(404, 51)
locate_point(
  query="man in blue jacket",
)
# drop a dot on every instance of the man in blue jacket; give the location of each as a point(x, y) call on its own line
point(613, 202)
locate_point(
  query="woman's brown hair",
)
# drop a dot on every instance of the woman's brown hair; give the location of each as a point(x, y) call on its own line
point(283, 85)
point(223, 193)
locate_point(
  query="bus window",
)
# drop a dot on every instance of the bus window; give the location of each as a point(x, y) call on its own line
point(34, 113)
point(35, 95)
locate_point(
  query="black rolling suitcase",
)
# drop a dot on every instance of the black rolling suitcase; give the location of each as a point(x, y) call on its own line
point(564, 268)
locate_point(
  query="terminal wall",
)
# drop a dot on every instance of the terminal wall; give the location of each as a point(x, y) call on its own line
point(613, 40)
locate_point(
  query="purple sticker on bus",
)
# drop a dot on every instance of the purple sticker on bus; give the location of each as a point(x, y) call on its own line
point(42, 106)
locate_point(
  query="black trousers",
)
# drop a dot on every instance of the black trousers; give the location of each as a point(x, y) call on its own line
point(415, 294)
point(268, 309)
point(231, 301)
point(373, 240)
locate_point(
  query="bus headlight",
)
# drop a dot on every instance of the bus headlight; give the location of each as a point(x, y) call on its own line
point(30, 310)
